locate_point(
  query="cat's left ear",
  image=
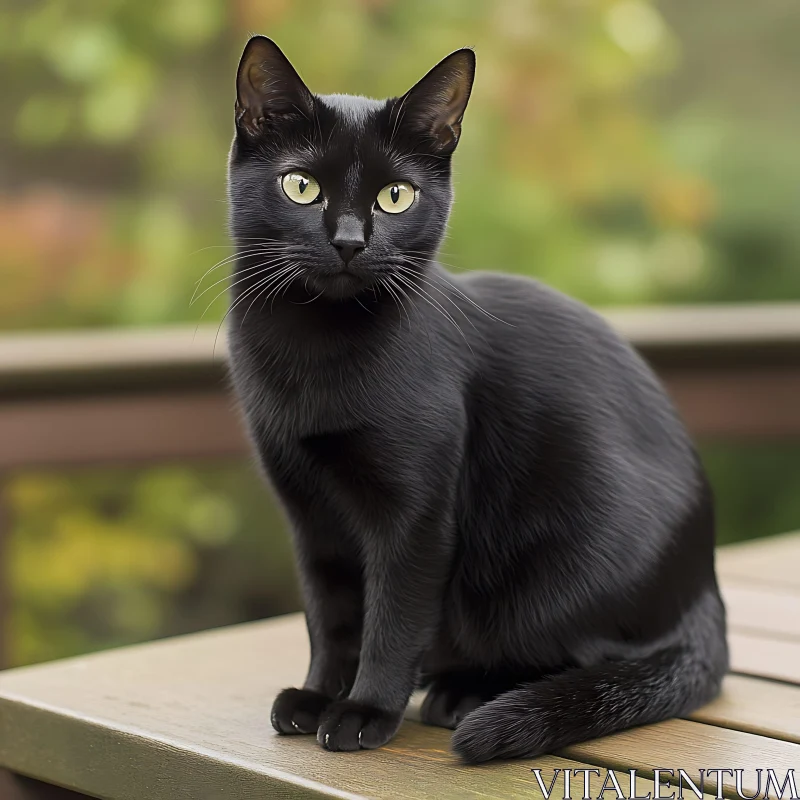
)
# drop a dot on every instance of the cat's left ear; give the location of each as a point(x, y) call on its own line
point(435, 106)
point(268, 88)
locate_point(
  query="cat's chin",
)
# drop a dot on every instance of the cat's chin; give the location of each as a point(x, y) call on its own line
point(342, 285)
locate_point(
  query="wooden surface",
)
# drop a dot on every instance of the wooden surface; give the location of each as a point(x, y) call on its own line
point(188, 718)
point(178, 718)
point(761, 583)
point(749, 704)
point(754, 563)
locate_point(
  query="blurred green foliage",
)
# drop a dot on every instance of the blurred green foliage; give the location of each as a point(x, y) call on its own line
point(120, 119)
point(102, 558)
point(625, 151)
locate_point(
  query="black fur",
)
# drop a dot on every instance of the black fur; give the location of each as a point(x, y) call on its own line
point(490, 492)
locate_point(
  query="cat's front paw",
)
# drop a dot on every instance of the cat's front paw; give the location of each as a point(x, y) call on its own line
point(446, 705)
point(298, 710)
point(348, 725)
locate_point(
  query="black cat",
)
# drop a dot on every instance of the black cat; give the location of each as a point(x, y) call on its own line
point(489, 490)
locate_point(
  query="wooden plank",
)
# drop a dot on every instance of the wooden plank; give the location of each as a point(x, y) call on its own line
point(119, 429)
point(774, 561)
point(691, 746)
point(189, 718)
point(767, 708)
point(762, 610)
point(761, 582)
point(765, 657)
point(173, 718)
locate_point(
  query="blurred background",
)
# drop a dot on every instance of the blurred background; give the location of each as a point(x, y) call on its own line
point(629, 152)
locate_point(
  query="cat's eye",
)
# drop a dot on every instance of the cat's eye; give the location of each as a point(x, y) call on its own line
point(396, 197)
point(300, 187)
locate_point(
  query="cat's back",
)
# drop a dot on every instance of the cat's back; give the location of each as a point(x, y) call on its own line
point(546, 352)
point(529, 311)
point(522, 317)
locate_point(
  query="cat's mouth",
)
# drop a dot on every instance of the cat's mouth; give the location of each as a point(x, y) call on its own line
point(342, 283)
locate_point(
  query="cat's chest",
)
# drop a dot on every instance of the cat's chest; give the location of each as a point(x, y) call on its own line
point(285, 393)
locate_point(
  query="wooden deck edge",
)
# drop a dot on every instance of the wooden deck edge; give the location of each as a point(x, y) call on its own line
point(97, 758)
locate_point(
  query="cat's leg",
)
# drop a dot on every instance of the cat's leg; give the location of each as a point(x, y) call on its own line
point(402, 601)
point(330, 573)
point(332, 591)
point(406, 568)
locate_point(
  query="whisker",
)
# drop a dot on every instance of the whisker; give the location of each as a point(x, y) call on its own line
point(250, 253)
point(434, 257)
point(234, 305)
point(359, 302)
point(228, 259)
point(404, 294)
point(232, 245)
point(400, 307)
point(285, 284)
point(460, 292)
point(264, 265)
point(265, 286)
point(315, 297)
point(291, 267)
point(436, 304)
point(228, 277)
point(289, 283)
point(473, 303)
point(257, 239)
point(444, 294)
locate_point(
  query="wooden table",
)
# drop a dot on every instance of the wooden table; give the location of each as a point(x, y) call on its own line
point(188, 718)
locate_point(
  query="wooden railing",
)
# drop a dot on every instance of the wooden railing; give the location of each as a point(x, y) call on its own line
point(121, 397)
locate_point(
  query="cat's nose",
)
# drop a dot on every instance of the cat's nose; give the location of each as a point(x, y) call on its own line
point(349, 237)
point(348, 247)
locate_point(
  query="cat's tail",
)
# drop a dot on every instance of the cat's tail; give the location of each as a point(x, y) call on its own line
point(585, 703)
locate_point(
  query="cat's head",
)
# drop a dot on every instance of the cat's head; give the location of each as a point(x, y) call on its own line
point(340, 190)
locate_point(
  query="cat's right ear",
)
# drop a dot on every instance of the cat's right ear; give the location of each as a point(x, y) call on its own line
point(268, 88)
point(434, 107)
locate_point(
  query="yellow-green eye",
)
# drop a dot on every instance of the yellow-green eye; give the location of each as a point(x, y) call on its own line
point(300, 187)
point(396, 197)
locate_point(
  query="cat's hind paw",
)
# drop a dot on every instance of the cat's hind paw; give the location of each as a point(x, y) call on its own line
point(445, 706)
